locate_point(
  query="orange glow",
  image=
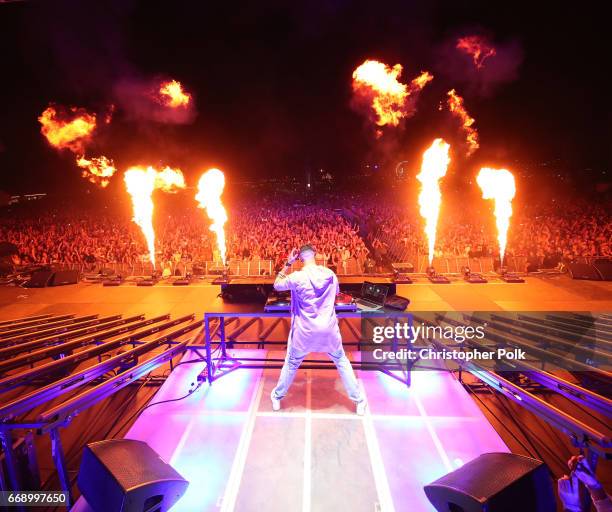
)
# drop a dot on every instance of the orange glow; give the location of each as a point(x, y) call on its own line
point(477, 48)
point(210, 188)
point(140, 183)
point(457, 107)
point(172, 95)
point(97, 170)
point(498, 184)
point(433, 169)
point(67, 128)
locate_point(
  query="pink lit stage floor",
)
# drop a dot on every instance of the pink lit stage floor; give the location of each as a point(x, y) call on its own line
point(315, 454)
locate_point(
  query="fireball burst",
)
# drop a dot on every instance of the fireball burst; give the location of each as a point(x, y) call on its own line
point(210, 188)
point(434, 166)
point(498, 184)
point(477, 48)
point(417, 84)
point(456, 106)
point(67, 128)
point(171, 94)
point(140, 183)
point(388, 96)
point(97, 170)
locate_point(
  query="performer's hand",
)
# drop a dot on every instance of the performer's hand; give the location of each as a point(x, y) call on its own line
point(293, 256)
point(573, 495)
point(581, 468)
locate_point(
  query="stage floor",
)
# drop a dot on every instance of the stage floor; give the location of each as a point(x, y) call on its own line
point(556, 293)
point(316, 453)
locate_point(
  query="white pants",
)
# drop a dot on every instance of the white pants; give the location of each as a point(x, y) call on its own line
point(294, 360)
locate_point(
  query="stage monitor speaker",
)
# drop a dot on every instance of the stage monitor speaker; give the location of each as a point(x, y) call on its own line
point(604, 268)
point(495, 482)
point(39, 279)
point(123, 475)
point(62, 277)
point(245, 293)
point(583, 271)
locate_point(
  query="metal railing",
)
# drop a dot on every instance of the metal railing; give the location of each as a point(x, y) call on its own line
point(247, 268)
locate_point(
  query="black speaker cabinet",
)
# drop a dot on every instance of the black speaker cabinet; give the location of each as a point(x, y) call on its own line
point(495, 482)
point(123, 475)
point(604, 268)
point(583, 271)
point(62, 277)
point(39, 279)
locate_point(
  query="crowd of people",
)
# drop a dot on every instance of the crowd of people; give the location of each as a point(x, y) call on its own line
point(254, 233)
point(270, 232)
point(350, 229)
point(546, 236)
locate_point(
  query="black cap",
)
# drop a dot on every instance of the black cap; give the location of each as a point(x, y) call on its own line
point(307, 247)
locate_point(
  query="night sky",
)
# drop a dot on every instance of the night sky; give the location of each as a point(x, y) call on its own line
point(272, 83)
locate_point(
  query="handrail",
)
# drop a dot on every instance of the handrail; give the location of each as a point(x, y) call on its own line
point(56, 328)
point(48, 318)
point(588, 352)
point(39, 396)
point(22, 378)
point(546, 355)
point(67, 410)
point(104, 323)
point(550, 329)
point(554, 383)
point(62, 348)
point(568, 389)
point(23, 319)
point(581, 434)
point(49, 325)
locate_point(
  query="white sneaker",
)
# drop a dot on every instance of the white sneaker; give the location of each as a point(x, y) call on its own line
point(361, 408)
point(276, 405)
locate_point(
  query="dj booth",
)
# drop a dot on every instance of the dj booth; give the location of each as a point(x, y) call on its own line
point(219, 362)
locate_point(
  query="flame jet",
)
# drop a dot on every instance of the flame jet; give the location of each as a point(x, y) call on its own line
point(498, 184)
point(210, 188)
point(379, 84)
point(67, 128)
point(98, 170)
point(140, 183)
point(433, 169)
point(476, 47)
point(456, 106)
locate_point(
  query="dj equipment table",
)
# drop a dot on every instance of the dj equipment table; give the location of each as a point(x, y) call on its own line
point(219, 365)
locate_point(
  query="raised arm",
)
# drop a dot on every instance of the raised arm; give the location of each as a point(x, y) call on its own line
point(282, 282)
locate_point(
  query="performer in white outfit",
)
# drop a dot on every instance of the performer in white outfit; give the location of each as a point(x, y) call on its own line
point(314, 325)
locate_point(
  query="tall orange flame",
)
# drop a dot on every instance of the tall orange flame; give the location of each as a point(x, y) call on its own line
point(379, 83)
point(476, 47)
point(498, 184)
point(67, 128)
point(433, 169)
point(140, 183)
point(98, 170)
point(456, 106)
point(171, 94)
point(210, 188)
